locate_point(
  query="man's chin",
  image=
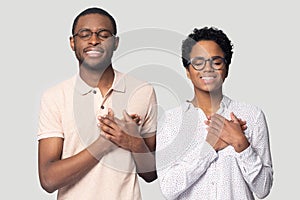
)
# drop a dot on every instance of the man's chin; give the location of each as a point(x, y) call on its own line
point(96, 66)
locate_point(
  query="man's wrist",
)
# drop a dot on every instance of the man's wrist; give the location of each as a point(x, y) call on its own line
point(138, 145)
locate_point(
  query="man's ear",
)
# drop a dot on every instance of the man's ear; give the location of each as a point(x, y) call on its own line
point(116, 43)
point(72, 43)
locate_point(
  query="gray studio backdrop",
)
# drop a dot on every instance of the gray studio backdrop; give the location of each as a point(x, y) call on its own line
point(35, 55)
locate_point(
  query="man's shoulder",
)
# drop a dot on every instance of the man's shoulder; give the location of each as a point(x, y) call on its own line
point(60, 88)
point(129, 78)
point(133, 83)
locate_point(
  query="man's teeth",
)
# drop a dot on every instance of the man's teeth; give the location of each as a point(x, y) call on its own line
point(207, 78)
point(93, 52)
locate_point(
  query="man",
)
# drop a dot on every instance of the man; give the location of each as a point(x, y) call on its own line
point(203, 151)
point(78, 158)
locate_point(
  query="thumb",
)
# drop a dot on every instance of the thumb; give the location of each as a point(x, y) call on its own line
point(234, 118)
point(127, 117)
point(111, 113)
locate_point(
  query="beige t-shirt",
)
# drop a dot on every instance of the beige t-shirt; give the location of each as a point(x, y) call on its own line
point(69, 110)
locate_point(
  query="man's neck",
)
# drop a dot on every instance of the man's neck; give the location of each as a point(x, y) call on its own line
point(101, 79)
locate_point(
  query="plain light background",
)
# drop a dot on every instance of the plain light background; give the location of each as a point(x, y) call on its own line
point(35, 55)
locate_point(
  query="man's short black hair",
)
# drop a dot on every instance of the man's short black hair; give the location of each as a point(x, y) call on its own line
point(213, 34)
point(95, 10)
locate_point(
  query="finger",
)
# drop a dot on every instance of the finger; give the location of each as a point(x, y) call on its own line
point(216, 135)
point(127, 117)
point(110, 114)
point(133, 116)
point(105, 130)
point(101, 131)
point(138, 121)
point(218, 119)
point(234, 118)
point(105, 121)
point(108, 136)
point(206, 122)
point(242, 122)
point(214, 125)
point(136, 118)
point(211, 139)
point(214, 141)
point(213, 130)
point(217, 122)
point(107, 116)
point(244, 127)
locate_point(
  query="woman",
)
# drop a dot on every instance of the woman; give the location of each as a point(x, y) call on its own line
point(204, 150)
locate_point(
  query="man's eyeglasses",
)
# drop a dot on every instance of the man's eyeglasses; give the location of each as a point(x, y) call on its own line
point(86, 34)
point(216, 62)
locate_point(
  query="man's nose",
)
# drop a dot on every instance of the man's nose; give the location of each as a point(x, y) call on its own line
point(94, 40)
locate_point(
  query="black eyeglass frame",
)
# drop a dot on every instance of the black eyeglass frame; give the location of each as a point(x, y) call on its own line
point(93, 32)
point(210, 62)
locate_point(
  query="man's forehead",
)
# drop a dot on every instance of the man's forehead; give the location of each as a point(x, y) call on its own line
point(93, 20)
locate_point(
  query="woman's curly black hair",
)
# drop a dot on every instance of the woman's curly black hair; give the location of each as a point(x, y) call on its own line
point(213, 34)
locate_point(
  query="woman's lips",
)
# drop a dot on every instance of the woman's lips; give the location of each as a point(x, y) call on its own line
point(208, 79)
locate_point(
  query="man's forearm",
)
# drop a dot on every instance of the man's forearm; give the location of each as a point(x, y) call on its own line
point(55, 174)
point(144, 160)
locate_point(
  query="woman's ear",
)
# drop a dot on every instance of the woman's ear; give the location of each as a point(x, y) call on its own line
point(187, 72)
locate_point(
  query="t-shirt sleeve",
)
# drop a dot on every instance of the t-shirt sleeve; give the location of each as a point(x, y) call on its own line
point(150, 120)
point(142, 101)
point(49, 117)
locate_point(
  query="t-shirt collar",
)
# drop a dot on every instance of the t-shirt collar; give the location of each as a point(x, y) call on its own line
point(83, 88)
point(224, 104)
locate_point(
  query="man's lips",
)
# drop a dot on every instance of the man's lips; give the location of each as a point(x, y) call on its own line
point(93, 52)
point(207, 77)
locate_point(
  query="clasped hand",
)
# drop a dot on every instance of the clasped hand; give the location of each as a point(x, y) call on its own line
point(223, 132)
point(124, 132)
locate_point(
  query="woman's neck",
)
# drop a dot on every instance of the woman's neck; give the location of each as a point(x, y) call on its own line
point(209, 102)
